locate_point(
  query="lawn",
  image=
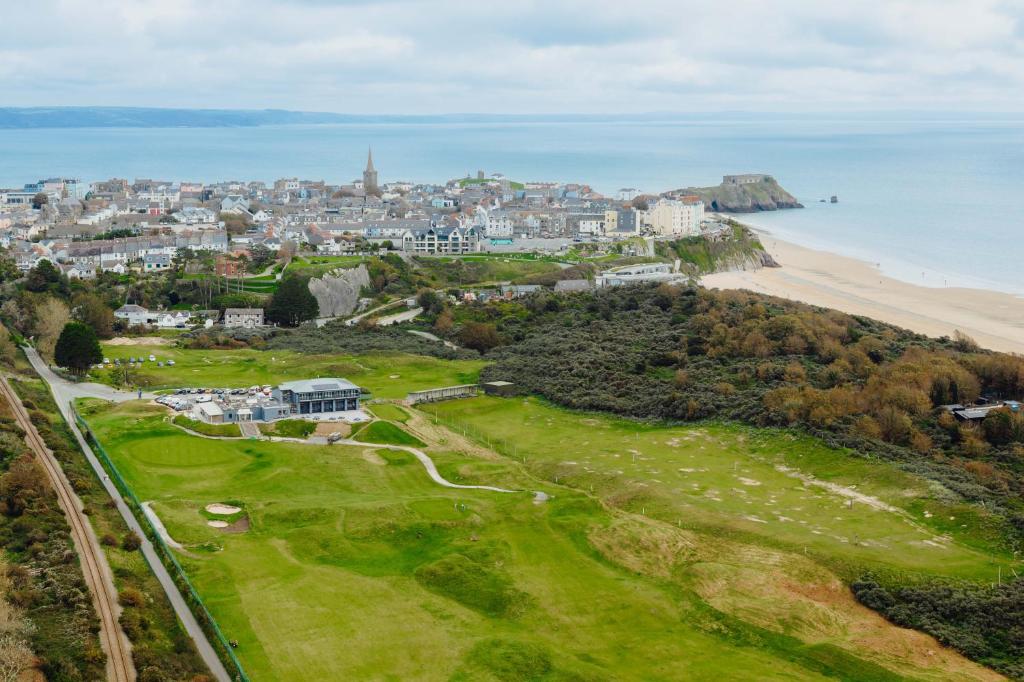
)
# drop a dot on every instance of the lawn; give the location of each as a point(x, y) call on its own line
point(388, 434)
point(385, 376)
point(317, 266)
point(789, 491)
point(352, 550)
point(389, 412)
point(207, 429)
point(448, 271)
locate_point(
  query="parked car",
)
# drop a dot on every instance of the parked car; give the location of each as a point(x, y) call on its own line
point(152, 358)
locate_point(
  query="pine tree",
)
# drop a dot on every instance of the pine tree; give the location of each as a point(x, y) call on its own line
point(77, 348)
point(293, 304)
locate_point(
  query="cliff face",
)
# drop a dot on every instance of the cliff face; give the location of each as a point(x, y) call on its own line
point(730, 251)
point(765, 195)
point(337, 292)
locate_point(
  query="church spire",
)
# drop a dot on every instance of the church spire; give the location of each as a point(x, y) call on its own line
point(370, 176)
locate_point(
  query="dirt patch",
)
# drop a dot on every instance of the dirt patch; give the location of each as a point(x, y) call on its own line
point(240, 526)
point(138, 341)
point(222, 509)
point(372, 457)
point(327, 428)
point(436, 434)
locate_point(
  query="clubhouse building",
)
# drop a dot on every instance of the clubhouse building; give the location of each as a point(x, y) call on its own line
point(334, 399)
point(317, 396)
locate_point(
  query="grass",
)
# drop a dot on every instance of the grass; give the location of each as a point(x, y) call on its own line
point(384, 375)
point(482, 181)
point(476, 270)
point(782, 489)
point(289, 428)
point(349, 554)
point(352, 550)
point(317, 266)
point(387, 433)
point(220, 430)
point(390, 412)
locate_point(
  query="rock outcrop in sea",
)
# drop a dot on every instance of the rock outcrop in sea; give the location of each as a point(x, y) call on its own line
point(764, 195)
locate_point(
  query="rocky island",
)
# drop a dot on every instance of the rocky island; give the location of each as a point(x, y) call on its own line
point(742, 194)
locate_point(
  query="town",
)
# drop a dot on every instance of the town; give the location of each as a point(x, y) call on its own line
point(114, 225)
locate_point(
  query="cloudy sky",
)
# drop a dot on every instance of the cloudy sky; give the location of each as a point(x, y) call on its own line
point(579, 56)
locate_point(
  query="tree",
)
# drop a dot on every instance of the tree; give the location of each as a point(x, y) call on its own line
point(293, 304)
point(8, 268)
point(40, 200)
point(77, 348)
point(91, 310)
point(15, 658)
point(51, 316)
point(45, 276)
point(480, 336)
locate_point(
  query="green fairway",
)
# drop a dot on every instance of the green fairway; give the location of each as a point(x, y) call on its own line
point(388, 434)
point(385, 376)
point(353, 550)
point(792, 491)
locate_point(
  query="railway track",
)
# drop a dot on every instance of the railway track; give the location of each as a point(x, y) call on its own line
point(120, 667)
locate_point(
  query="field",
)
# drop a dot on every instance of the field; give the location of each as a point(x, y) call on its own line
point(447, 271)
point(385, 376)
point(356, 566)
point(317, 266)
point(789, 491)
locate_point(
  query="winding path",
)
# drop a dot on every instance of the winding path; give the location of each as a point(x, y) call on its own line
point(427, 463)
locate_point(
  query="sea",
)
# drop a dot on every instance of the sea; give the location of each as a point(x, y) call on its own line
point(932, 200)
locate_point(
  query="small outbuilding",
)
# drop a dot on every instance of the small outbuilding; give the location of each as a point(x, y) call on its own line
point(499, 388)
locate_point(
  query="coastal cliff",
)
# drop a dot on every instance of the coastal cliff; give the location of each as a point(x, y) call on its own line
point(734, 249)
point(765, 194)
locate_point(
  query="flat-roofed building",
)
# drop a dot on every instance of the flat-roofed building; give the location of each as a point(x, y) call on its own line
point(317, 396)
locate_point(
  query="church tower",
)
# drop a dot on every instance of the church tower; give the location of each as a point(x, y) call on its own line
point(370, 176)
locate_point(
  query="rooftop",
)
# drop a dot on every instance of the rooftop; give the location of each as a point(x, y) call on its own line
point(310, 385)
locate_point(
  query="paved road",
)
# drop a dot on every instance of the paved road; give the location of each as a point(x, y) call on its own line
point(95, 569)
point(64, 392)
point(398, 318)
point(433, 337)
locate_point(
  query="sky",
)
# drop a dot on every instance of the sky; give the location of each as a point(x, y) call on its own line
point(553, 56)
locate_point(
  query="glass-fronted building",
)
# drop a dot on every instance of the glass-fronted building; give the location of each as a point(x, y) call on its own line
point(317, 396)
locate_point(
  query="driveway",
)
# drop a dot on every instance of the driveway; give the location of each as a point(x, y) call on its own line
point(66, 391)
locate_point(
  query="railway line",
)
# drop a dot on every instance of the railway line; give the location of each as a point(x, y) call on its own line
point(120, 666)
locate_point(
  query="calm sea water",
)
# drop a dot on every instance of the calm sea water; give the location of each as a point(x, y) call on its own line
point(935, 202)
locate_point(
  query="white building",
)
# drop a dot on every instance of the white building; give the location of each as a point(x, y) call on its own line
point(676, 218)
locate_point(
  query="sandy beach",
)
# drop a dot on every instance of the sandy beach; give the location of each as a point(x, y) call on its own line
point(995, 320)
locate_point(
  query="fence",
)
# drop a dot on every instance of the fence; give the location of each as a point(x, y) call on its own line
point(499, 445)
point(192, 598)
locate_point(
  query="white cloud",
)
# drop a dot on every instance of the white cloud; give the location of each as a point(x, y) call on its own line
point(415, 56)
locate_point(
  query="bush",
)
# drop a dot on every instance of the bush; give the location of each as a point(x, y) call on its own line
point(131, 542)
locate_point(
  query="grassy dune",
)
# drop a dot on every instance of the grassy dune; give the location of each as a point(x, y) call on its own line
point(788, 491)
point(357, 566)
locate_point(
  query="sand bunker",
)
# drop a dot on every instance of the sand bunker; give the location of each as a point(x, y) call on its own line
point(138, 341)
point(223, 509)
point(217, 524)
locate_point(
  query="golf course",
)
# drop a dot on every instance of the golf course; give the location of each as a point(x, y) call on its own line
point(626, 551)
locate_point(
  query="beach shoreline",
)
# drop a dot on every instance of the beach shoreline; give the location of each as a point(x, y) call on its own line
point(995, 320)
